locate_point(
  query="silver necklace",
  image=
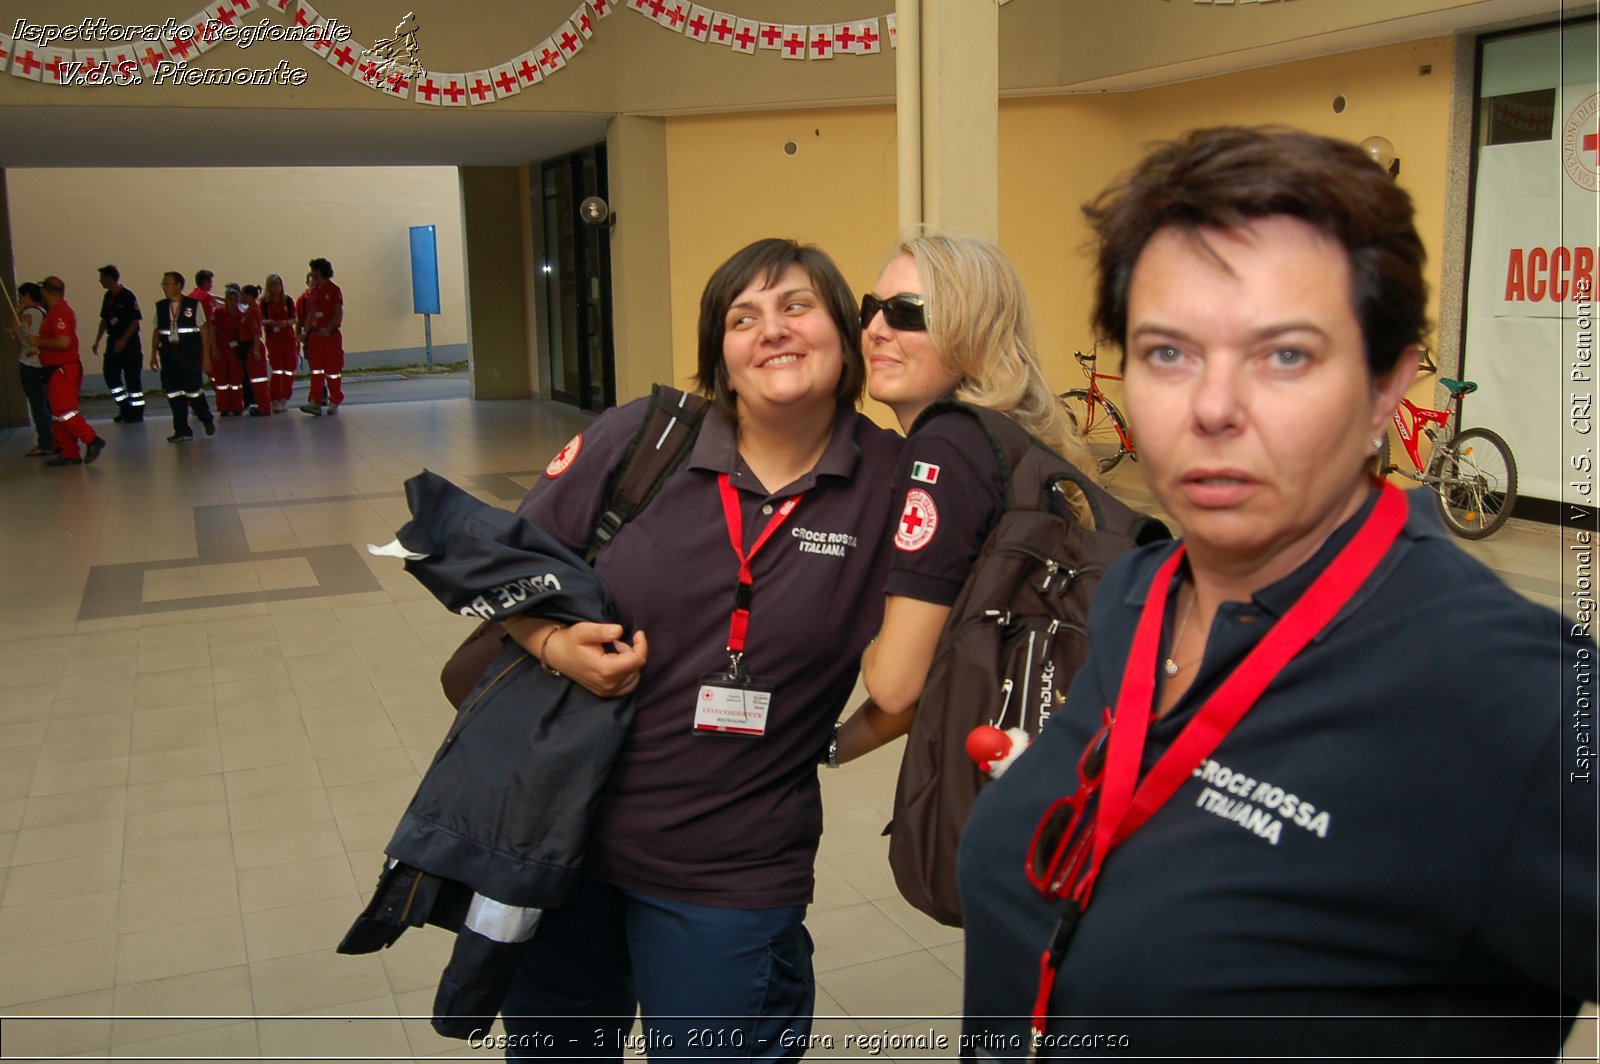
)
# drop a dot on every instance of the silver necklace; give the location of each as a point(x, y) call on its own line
point(1171, 667)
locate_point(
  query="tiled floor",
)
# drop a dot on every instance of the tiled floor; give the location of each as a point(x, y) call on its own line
point(214, 704)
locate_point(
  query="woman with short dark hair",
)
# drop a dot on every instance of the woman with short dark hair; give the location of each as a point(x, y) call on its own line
point(1276, 816)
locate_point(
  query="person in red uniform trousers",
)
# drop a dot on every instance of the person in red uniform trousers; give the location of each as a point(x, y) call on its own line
point(281, 324)
point(227, 369)
point(324, 341)
point(58, 352)
point(257, 370)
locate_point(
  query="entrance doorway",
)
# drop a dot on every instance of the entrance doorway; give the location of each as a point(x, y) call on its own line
point(575, 258)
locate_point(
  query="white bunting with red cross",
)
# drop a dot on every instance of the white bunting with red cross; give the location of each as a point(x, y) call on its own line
point(820, 39)
point(675, 15)
point(868, 39)
point(480, 87)
point(771, 37)
point(305, 16)
point(201, 32)
point(5, 52)
point(698, 28)
point(57, 65)
point(122, 60)
point(746, 36)
point(430, 89)
point(844, 37)
point(369, 73)
point(526, 67)
point(568, 40)
point(151, 56)
point(396, 83)
point(582, 22)
point(795, 44)
point(918, 521)
point(601, 8)
point(889, 21)
point(186, 45)
point(550, 57)
point(227, 14)
point(345, 57)
point(505, 81)
point(281, 6)
point(320, 39)
point(453, 87)
point(722, 28)
point(89, 67)
point(641, 6)
point(28, 63)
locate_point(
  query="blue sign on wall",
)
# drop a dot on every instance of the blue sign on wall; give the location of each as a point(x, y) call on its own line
point(424, 270)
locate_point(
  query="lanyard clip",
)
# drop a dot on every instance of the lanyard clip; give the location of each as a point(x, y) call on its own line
point(736, 672)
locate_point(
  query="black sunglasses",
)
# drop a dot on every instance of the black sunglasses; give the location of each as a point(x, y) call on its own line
point(904, 311)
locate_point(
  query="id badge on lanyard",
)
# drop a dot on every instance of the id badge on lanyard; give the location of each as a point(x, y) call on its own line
point(734, 702)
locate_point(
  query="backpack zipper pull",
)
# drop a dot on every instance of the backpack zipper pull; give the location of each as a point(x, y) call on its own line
point(1051, 567)
point(1005, 702)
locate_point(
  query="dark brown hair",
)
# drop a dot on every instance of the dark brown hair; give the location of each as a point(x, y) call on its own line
point(1224, 178)
point(768, 259)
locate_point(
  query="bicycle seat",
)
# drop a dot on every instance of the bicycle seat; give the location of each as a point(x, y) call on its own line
point(1458, 388)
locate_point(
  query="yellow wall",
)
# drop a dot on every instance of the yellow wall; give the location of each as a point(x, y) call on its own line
point(730, 183)
point(1055, 153)
point(241, 225)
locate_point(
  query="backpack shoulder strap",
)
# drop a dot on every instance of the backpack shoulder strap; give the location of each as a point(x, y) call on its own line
point(659, 447)
point(1012, 445)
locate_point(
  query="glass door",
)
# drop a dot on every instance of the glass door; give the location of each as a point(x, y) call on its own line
point(576, 264)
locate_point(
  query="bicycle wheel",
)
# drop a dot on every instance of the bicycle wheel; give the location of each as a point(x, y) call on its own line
point(1474, 478)
point(1099, 423)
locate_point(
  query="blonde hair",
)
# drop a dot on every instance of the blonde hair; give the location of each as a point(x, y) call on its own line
point(980, 323)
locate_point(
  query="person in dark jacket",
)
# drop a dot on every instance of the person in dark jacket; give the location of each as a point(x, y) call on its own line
point(746, 592)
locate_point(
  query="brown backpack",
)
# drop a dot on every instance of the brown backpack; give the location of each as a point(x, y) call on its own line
point(658, 448)
point(1015, 638)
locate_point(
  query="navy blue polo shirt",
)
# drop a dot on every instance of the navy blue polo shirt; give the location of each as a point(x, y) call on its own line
point(950, 495)
point(117, 311)
point(1387, 843)
point(724, 819)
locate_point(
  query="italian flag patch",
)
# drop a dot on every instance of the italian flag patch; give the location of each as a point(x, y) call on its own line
point(926, 472)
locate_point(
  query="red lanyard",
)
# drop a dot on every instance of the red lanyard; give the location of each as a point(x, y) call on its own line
point(1122, 809)
point(739, 623)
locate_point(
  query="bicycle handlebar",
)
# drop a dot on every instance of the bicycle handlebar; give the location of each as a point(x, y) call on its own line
point(1083, 359)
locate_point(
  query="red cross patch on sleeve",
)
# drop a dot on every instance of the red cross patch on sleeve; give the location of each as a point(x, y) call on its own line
point(918, 521)
point(564, 457)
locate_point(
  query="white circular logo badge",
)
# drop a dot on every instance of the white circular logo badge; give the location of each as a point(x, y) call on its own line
point(918, 521)
point(564, 457)
point(1580, 144)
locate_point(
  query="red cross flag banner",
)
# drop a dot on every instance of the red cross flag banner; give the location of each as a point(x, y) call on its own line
point(869, 41)
point(185, 46)
point(193, 32)
point(5, 52)
point(429, 89)
point(57, 66)
point(526, 67)
point(844, 37)
point(550, 57)
point(582, 22)
point(601, 8)
point(889, 21)
point(569, 42)
point(396, 84)
point(641, 6)
point(1534, 258)
point(795, 42)
point(723, 28)
point(151, 56)
point(305, 15)
point(820, 39)
point(345, 57)
point(480, 88)
point(121, 58)
point(88, 67)
point(28, 63)
point(229, 12)
point(698, 28)
point(320, 39)
point(746, 36)
point(369, 73)
point(239, 7)
point(280, 6)
point(771, 35)
point(505, 81)
point(454, 89)
point(675, 16)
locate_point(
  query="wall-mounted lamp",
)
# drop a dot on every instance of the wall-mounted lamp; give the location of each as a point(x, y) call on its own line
point(596, 212)
point(1381, 151)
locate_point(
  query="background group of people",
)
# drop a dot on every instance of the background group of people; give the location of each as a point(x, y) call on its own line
point(248, 342)
point(1240, 833)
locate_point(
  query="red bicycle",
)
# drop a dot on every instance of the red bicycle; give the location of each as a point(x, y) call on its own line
point(1472, 473)
point(1098, 420)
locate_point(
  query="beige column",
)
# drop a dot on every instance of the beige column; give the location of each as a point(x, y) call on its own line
point(641, 290)
point(496, 282)
point(948, 86)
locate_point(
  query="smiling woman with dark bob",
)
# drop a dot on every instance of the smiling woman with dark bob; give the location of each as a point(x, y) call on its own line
point(1277, 816)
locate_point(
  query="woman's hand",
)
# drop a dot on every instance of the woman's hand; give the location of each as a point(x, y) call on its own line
point(590, 654)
